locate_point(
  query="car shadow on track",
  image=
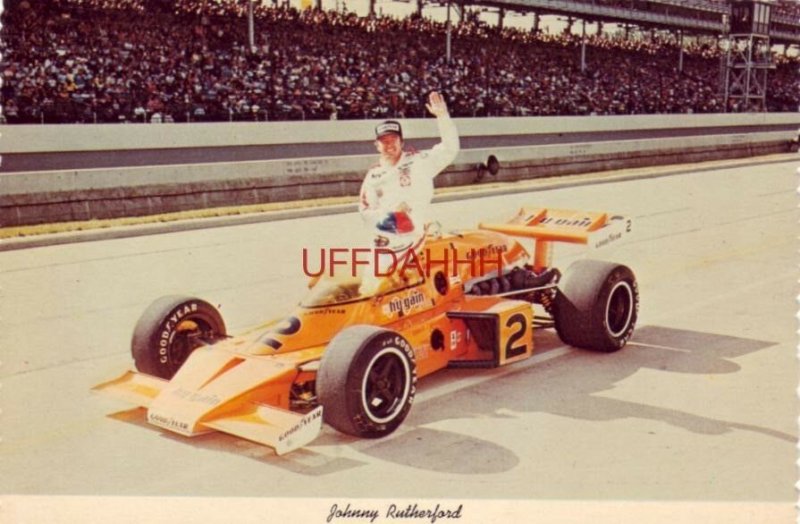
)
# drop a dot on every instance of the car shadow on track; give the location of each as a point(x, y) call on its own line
point(569, 386)
point(302, 461)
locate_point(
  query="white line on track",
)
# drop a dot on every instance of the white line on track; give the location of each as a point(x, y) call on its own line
point(659, 346)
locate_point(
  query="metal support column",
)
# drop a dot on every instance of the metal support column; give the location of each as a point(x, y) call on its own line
point(449, 33)
point(251, 26)
point(583, 46)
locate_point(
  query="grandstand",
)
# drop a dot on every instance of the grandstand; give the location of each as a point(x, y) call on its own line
point(69, 61)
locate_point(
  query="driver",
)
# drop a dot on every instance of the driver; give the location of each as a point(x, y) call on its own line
point(396, 193)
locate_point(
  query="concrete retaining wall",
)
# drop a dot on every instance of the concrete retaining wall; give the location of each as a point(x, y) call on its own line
point(120, 137)
point(42, 197)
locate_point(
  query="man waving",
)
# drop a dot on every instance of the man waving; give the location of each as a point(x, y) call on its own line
point(396, 193)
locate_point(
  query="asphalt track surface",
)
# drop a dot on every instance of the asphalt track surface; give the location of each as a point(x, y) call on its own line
point(16, 162)
point(699, 408)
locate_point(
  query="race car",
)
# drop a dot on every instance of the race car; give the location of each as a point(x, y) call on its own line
point(351, 352)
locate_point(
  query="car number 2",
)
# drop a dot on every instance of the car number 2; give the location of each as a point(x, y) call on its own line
point(290, 326)
point(511, 350)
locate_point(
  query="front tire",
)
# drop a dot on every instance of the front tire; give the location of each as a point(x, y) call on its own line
point(170, 329)
point(597, 305)
point(366, 381)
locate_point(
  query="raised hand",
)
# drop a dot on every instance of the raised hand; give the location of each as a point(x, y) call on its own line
point(436, 105)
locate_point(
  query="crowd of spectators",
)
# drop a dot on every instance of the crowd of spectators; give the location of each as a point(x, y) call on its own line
point(790, 8)
point(186, 60)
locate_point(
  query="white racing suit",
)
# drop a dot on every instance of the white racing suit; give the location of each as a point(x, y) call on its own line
point(410, 181)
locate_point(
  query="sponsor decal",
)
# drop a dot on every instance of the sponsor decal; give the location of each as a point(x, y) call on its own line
point(405, 177)
point(304, 422)
point(423, 351)
point(611, 233)
point(455, 338)
point(169, 330)
point(388, 127)
point(168, 422)
point(210, 400)
point(573, 222)
point(491, 249)
point(404, 304)
point(327, 311)
point(607, 240)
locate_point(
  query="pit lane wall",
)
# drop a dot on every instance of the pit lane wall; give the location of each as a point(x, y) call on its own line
point(54, 196)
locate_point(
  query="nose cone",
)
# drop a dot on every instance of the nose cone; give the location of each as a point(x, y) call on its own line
point(308, 327)
point(210, 380)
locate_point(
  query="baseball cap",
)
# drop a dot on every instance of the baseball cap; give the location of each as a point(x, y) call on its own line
point(388, 127)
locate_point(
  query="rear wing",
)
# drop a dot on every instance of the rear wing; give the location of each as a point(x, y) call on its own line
point(545, 225)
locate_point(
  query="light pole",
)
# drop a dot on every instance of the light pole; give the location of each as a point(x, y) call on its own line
point(449, 31)
point(251, 33)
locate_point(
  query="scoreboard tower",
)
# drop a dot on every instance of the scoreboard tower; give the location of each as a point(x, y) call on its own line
point(748, 57)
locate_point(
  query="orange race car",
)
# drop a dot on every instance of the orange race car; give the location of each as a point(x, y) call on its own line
point(351, 352)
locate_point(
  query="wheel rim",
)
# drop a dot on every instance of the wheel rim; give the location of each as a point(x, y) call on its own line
point(189, 334)
point(619, 309)
point(386, 385)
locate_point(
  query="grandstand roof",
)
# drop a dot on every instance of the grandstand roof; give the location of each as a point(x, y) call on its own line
point(694, 16)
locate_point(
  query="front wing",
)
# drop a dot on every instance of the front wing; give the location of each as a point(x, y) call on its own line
point(278, 428)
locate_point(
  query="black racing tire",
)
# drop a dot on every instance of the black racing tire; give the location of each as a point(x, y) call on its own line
point(596, 306)
point(366, 381)
point(170, 329)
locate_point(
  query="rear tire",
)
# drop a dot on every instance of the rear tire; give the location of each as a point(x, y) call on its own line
point(596, 306)
point(366, 381)
point(170, 329)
